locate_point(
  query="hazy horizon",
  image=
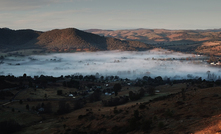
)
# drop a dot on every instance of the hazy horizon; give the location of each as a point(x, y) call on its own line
point(109, 29)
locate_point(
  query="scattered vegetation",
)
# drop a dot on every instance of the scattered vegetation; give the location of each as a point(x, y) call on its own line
point(136, 107)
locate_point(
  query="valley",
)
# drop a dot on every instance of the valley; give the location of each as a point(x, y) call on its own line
point(72, 81)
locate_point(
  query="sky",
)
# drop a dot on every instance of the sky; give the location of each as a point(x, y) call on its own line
point(44, 15)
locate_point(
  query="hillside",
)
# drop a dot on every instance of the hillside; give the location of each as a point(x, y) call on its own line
point(180, 106)
point(64, 40)
point(14, 40)
point(178, 40)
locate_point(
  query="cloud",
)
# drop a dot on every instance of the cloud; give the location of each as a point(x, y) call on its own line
point(10, 5)
point(23, 5)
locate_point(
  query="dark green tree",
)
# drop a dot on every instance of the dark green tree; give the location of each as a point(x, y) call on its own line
point(59, 92)
point(48, 108)
point(20, 101)
point(136, 114)
point(27, 107)
point(117, 87)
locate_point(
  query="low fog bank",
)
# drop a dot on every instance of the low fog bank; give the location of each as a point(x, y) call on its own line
point(125, 64)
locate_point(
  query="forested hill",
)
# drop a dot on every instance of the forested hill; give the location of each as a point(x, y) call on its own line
point(63, 40)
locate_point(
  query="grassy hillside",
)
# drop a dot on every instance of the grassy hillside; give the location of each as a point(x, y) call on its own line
point(179, 106)
point(64, 40)
point(178, 40)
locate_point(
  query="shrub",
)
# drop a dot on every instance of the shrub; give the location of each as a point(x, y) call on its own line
point(116, 111)
point(80, 117)
point(136, 114)
point(161, 125)
point(59, 92)
point(142, 106)
point(146, 125)
point(169, 113)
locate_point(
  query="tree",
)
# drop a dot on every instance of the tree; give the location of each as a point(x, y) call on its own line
point(78, 104)
point(158, 79)
point(96, 96)
point(131, 95)
point(116, 77)
point(30, 84)
point(27, 107)
point(42, 104)
point(116, 93)
point(63, 107)
point(59, 92)
point(142, 92)
point(151, 90)
point(20, 101)
point(48, 108)
point(136, 114)
point(117, 87)
point(183, 94)
point(64, 126)
point(64, 83)
point(24, 75)
point(46, 96)
point(81, 77)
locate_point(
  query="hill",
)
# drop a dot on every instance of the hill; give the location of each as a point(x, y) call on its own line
point(180, 106)
point(63, 40)
point(16, 39)
point(178, 40)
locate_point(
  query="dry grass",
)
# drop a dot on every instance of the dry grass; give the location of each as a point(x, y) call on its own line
point(40, 93)
point(200, 113)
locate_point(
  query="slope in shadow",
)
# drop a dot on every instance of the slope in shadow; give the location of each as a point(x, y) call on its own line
point(17, 39)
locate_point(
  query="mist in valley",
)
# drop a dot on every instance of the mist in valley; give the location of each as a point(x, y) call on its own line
point(124, 64)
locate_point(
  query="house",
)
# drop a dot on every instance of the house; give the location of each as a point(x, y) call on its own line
point(70, 95)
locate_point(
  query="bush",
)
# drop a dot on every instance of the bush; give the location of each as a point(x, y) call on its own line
point(115, 110)
point(169, 113)
point(96, 96)
point(146, 125)
point(136, 114)
point(142, 106)
point(59, 92)
point(133, 96)
point(161, 125)
point(80, 117)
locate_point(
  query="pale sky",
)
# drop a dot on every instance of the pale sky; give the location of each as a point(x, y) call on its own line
point(45, 15)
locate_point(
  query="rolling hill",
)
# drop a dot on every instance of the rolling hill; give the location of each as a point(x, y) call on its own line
point(192, 41)
point(63, 40)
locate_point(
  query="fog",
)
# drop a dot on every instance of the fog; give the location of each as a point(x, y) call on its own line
point(125, 64)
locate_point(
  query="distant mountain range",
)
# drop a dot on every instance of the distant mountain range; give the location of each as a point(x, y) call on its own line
point(160, 35)
point(64, 40)
point(191, 41)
